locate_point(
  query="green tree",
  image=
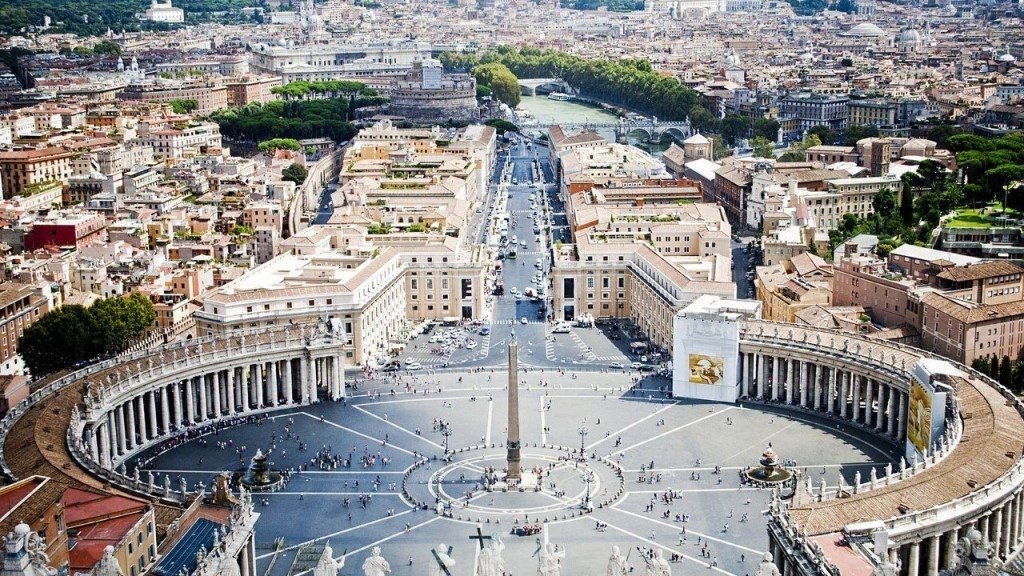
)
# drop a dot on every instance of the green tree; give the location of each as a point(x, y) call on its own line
point(184, 106)
point(106, 48)
point(734, 127)
point(71, 334)
point(279, 144)
point(502, 126)
point(1005, 372)
point(763, 148)
point(766, 128)
point(295, 173)
point(501, 80)
point(825, 135)
point(846, 6)
point(846, 62)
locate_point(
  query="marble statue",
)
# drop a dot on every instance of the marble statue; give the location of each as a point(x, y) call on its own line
point(975, 556)
point(550, 563)
point(328, 565)
point(107, 566)
point(617, 564)
point(440, 563)
point(658, 566)
point(491, 562)
point(767, 566)
point(375, 564)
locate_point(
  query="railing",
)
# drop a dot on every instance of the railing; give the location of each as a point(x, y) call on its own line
point(979, 500)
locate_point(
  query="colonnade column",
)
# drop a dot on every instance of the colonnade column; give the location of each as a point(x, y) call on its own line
point(122, 443)
point(244, 386)
point(288, 381)
point(776, 378)
point(153, 430)
point(762, 375)
point(790, 379)
point(901, 418)
point(880, 411)
point(844, 387)
point(833, 382)
point(189, 402)
point(165, 411)
point(273, 385)
point(819, 373)
point(229, 384)
point(890, 427)
point(304, 379)
point(128, 409)
point(869, 409)
point(856, 380)
point(932, 565)
point(215, 383)
point(257, 383)
point(803, 384)
point(914, 559)
point(203, 405)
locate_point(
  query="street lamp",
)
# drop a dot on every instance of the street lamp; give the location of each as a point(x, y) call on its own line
point(583, 434)
point(445, 433)
point(589, 477)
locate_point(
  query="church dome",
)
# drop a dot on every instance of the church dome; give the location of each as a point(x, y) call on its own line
point(1007, 58)
point(866, 30)
point(910, 36)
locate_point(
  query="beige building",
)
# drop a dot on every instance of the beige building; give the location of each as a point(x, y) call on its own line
point(785, 292)
point(210, 95)
point(20, 169)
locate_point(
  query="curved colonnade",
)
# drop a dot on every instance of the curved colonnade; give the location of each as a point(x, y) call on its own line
point(912, 518)
point(972, 478)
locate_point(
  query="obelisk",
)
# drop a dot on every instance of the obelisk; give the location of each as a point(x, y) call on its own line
point(513, 475)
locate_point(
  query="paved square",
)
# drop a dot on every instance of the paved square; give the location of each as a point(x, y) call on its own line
point(349, 462)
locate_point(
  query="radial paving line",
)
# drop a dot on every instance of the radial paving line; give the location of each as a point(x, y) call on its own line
point(410, 433)
point(638, 422)
point(675, 527)
point(669, 549)
point(338, 533)
point(360, 434)
point(672, 431)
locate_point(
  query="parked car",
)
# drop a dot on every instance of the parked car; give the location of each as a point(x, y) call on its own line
point(414, 366)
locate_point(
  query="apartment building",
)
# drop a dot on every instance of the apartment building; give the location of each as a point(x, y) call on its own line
point(21, 304)
point(963, 330)
point(20, 169)
point(209, 95)
point(172, 143)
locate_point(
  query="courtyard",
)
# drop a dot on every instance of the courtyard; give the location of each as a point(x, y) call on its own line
point(355, 481)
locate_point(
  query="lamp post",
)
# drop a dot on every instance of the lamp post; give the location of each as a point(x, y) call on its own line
point(589, 477)
point(583, 435)
point(445, 433)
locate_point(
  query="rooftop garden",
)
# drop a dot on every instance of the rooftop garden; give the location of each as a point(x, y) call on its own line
point(981, 218)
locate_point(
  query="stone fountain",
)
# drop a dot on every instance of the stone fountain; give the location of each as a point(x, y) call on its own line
point(259, 477)
point(769, 471)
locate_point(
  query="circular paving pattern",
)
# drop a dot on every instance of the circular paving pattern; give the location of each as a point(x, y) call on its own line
point(555, 485)
point(643, 446)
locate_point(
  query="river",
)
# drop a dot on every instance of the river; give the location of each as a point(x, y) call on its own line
point(547, 111)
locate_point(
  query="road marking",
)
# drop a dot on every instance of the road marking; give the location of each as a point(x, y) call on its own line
point(670, 550)
point(675, 527)
point(338, 533)
point(360, 434)
point(490, 416)
point(385, 539)
point(543, 421)
point(410, 433)
point(638, 422)
point(673, 431)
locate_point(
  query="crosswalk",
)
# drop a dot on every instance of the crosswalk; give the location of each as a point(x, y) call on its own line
point(585, 352)
point(513, 322)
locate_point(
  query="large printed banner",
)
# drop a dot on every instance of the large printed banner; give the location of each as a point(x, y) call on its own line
point(919, 417)
point(706, 369)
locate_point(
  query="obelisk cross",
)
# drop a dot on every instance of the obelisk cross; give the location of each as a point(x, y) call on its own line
point(480, 536)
